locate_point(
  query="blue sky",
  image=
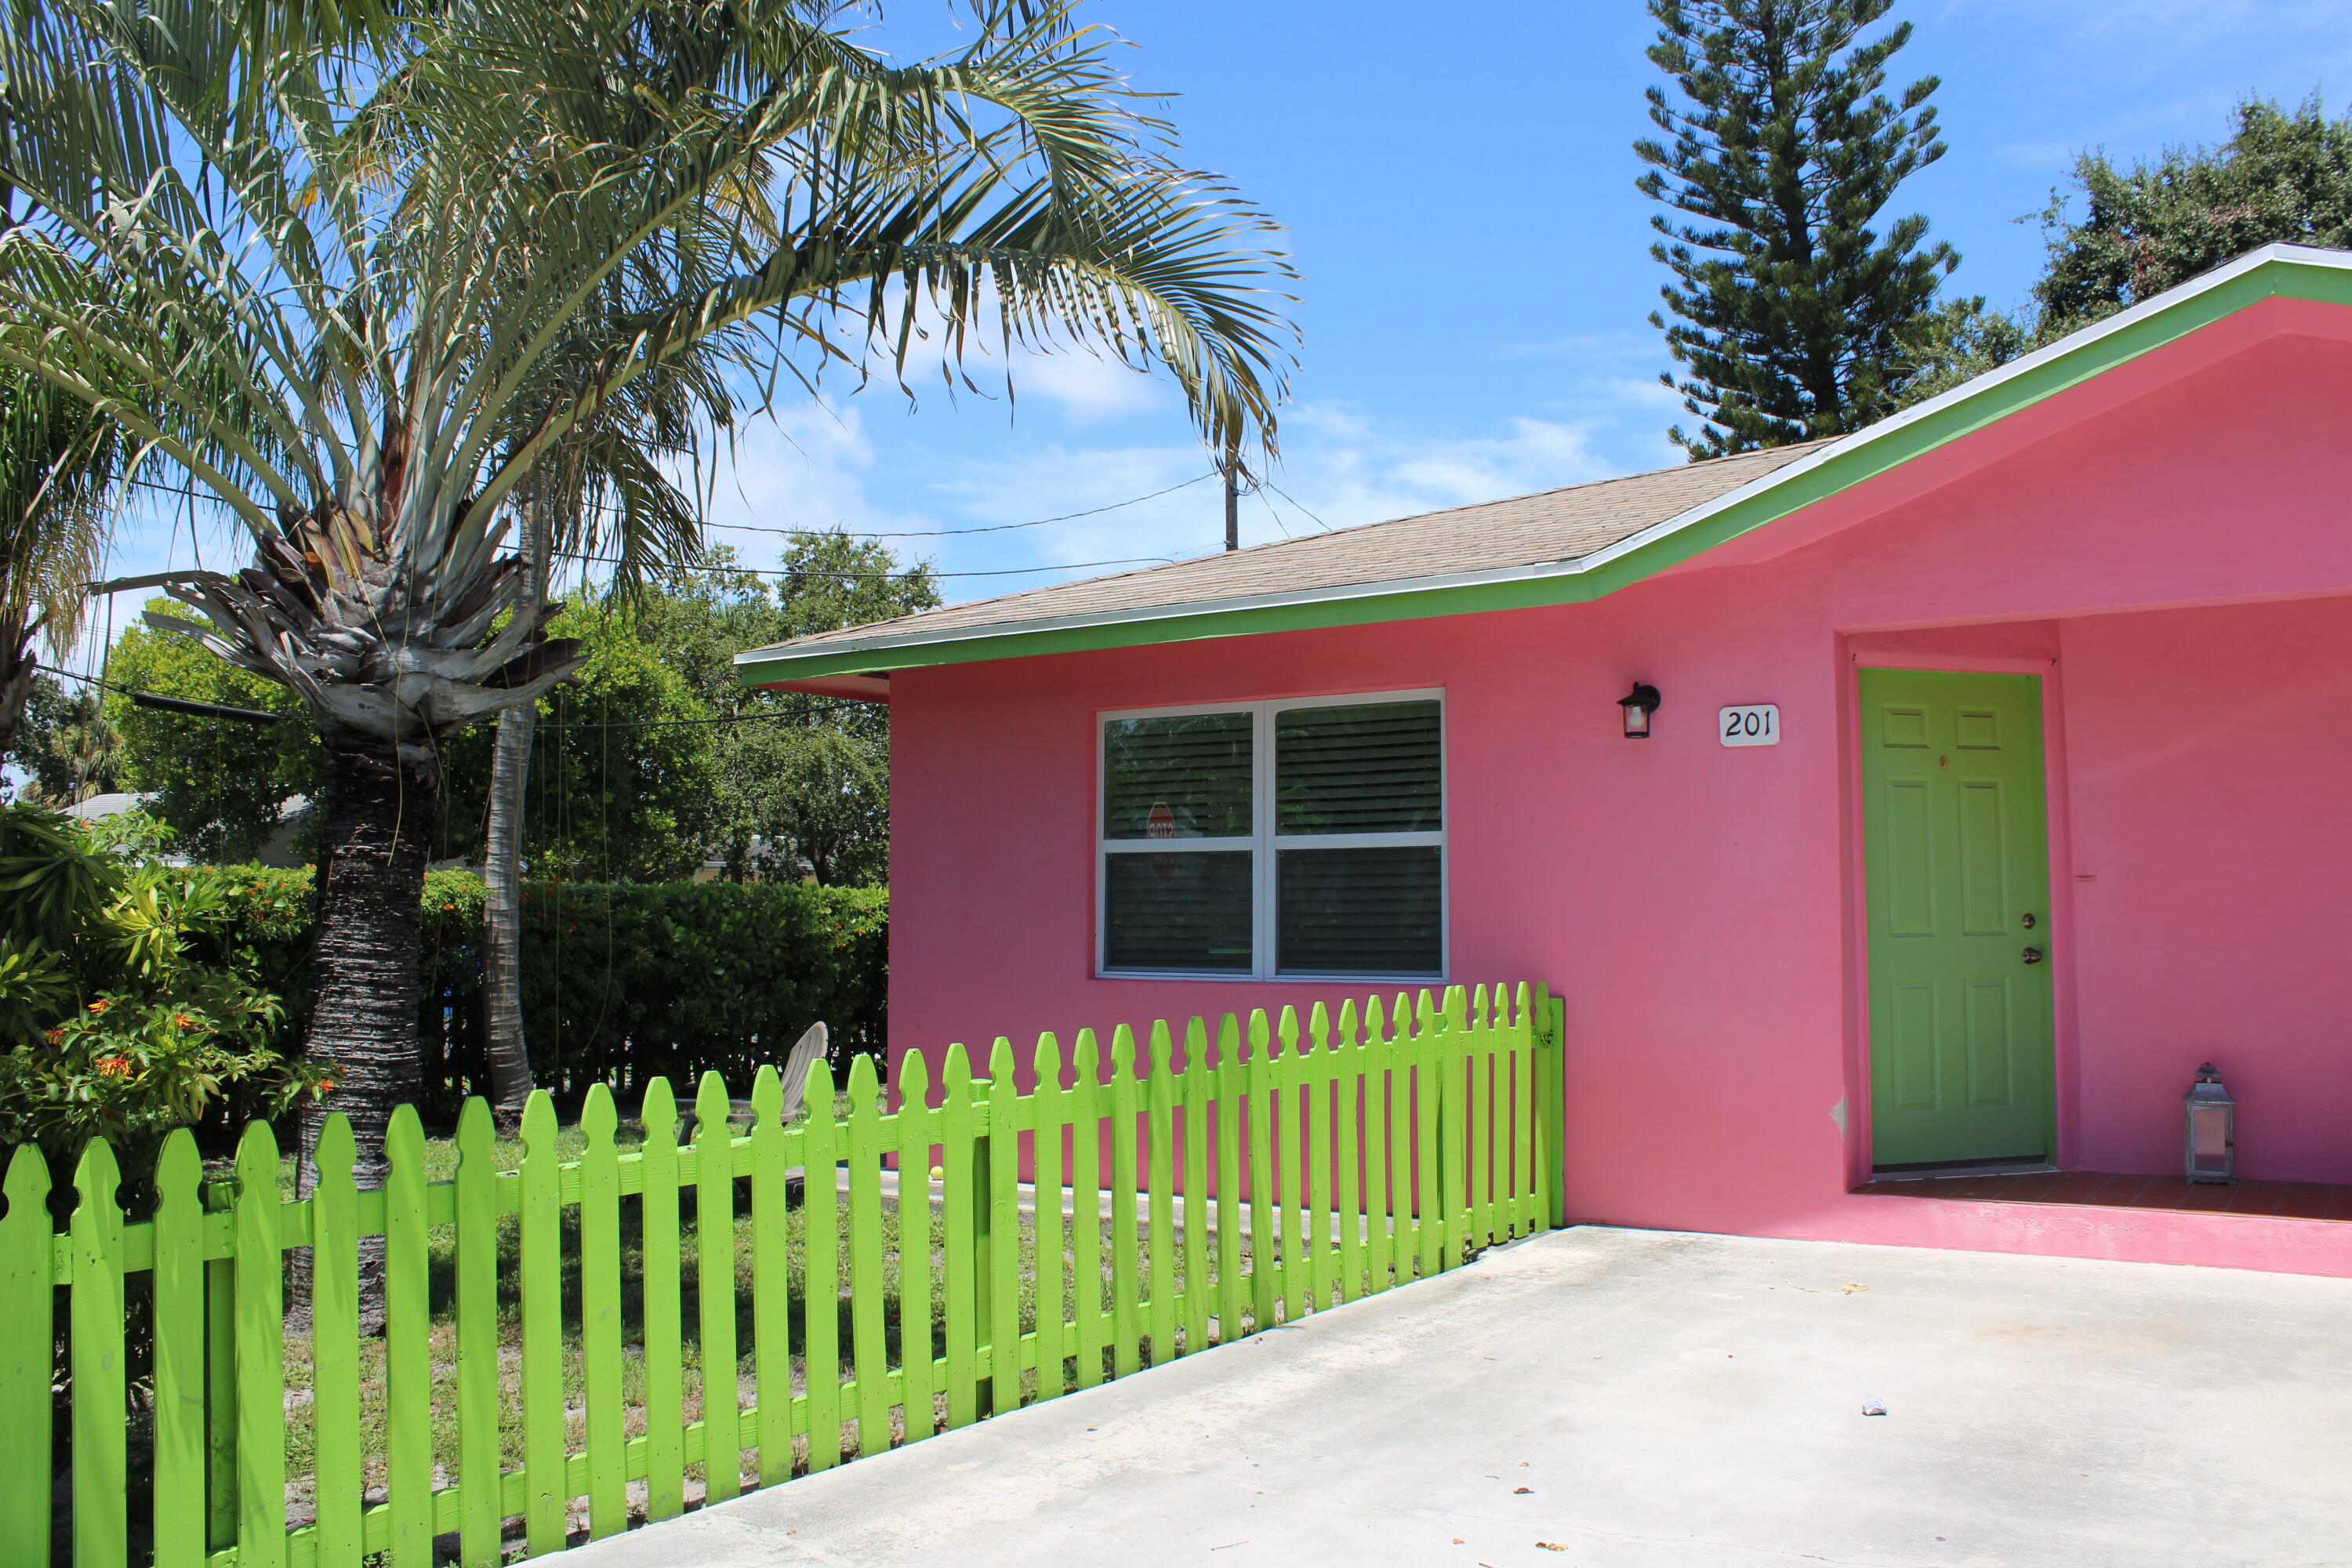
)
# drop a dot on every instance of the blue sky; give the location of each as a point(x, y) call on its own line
point(1456, 185)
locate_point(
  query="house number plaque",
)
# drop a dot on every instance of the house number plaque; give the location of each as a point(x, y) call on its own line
point(1754, 724)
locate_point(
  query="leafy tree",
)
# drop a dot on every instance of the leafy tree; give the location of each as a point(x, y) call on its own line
point(1791, 308)
point(2283, 175)
point(805, 780)
point(384, 249)
point(67, 747)
point(220, 785)
point(622, 782)
point(59, 458)
point(117, 1018)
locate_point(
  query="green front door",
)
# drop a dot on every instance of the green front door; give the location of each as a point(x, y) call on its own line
point(1957, 840)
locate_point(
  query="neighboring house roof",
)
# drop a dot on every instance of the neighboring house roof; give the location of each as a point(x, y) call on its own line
point(1555, 547)
point(99, 807)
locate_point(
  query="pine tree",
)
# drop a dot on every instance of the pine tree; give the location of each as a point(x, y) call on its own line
point(1792, 308)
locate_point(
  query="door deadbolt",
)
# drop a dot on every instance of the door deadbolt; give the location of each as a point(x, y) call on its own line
point(2032, 955)
point(2028, 921)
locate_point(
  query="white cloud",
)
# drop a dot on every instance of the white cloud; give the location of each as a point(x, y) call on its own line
point(1087, 386)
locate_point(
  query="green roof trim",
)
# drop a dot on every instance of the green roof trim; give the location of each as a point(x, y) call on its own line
point(2274, 271)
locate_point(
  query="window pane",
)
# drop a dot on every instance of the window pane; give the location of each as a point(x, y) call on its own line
point(1368, 767)
point(1177, 910)
point(1360, 912)
point(1184, 776)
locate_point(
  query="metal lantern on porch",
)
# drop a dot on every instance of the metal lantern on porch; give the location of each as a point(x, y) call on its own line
point(1638, 705)
point(2212, 1137)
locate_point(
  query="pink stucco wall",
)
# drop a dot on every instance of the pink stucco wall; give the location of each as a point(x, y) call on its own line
point(1696, 906)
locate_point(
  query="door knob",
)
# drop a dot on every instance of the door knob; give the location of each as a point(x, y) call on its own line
point(2032, 955)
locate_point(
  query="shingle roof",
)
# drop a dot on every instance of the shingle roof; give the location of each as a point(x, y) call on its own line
point(1547, 549)
point(1525, 530)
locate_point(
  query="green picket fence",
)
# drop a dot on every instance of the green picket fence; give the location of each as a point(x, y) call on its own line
point(1274, 1173)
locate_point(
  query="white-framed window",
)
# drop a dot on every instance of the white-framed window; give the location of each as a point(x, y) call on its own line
point(1300, 838)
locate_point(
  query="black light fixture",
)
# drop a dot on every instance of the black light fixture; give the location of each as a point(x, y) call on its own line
point(1638, 704)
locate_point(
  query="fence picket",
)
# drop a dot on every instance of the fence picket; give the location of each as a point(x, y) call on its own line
point(1523, 1121)
point(27, 1346)
point(1349, 1092)
point(917, 1296)
point(100, 1387)
point(539, 1268)
point(1050, 1113)
point(1291, 1167)
point(1387, 1175)
point(1316, 1194)
point(771, 1343)
point(1160, 1102)
point(1232, 1132)
point(1092, 1333)
point(659, 1275)
point(1417, 1046)
point(1477, 1045)
point(821, 1263)
point(1004, 1199)
point(338, 1482)
point(178, 1314)
point(260, 1354)
point(1396, 1141)
point(603, 1434)
point(480, 1510)
point(1127, 1280)
point(714, 1290)
point(869, 1344)
point(221, 1515)
point(1452, 1102)
point(407, 1346)
point(1193, 1105)
point(962, 1211)
point(1259, 1129)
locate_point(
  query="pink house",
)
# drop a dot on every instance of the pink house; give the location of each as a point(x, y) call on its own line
point(1999, 775)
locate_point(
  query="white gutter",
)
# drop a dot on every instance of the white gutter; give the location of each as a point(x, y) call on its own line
point(1575, 566)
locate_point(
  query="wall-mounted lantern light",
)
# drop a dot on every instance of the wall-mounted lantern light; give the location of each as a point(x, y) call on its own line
point(1638, 704)
point(2212, 1134)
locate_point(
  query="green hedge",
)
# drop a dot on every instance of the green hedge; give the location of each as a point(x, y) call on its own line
point(621, 981)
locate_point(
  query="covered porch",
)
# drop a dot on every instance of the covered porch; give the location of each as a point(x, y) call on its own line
point(2199, 910)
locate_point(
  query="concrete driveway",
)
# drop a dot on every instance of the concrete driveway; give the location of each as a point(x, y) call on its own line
point(1614, 1398)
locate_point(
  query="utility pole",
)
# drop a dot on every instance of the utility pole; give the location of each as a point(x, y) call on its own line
point(1233, 510)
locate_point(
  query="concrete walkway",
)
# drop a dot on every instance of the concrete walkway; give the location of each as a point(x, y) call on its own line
point(1631, 1399)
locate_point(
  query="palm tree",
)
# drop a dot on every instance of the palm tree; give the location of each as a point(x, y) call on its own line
point(400, 267)
point(60, 458)
point(604, 490)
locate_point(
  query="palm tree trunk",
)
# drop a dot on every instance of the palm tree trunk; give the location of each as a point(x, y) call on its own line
point(502, 1032)
point(18, 668)
point(364, 966)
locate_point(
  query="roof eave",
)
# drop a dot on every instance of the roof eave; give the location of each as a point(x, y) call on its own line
point(2295, 271)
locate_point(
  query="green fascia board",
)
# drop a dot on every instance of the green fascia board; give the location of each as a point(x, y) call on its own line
point(1884, 447)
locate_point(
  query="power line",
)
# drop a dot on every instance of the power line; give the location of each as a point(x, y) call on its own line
point(731, 718)
point(156, 700)
point(992, 528)
point(194, 494)
point(903, 574)
point(1295, 501)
